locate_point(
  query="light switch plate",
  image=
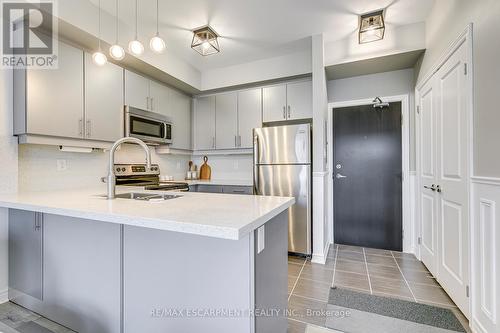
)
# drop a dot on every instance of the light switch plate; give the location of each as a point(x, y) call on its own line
point(261, 239)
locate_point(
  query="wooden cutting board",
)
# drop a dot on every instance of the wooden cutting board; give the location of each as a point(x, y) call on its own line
point(205, 170)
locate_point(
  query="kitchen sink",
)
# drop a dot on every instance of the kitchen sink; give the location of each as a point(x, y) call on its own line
point(146, 196)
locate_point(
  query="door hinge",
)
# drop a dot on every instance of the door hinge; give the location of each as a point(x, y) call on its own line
point(465, 68)
point(418, 109)
point(419, 240)
point(467, 293)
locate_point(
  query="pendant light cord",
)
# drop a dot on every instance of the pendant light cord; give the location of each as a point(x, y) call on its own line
point(135, 19)
point(157, 15)
point(117, 21)
point(99, 25)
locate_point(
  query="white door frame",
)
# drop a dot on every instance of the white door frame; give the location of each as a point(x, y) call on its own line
point(408, 221)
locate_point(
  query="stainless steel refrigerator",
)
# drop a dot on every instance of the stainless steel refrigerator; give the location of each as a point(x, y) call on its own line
point(282, 167)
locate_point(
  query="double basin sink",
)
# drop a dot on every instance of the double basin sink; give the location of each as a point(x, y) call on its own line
point(146, 196)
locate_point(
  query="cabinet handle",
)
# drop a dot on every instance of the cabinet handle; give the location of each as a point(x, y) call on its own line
point(80, 127)
point(147, 102)
point(89, 128)
point(284, 112)
point(236, 141)
point(288, 111)
point(152, 103)
point(213, 142)
point(239, 140)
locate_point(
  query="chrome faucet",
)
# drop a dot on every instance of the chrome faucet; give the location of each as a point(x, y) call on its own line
point(111, 179)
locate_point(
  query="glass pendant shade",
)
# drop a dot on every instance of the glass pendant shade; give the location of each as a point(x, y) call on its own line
point(136, 48)
point(99, 58)
point(117, 52)
point(371, 27)
point(205, 41)
point(157, 44)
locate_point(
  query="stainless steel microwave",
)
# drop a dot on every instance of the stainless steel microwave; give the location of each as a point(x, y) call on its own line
point(150, 127)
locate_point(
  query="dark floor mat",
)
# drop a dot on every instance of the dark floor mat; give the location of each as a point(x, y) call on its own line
point(400, 309)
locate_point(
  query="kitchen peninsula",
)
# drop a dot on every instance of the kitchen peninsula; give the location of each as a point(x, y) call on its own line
point(196, 262)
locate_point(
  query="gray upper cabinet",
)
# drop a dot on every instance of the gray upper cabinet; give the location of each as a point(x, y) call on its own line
point(290, 101)
point(50, 102)
point(159, 98)
point(103, 101)
point(25, 252)
point(180, 112)
point(136, 90)
point(299, 98)
point(249, 115)
point(274, 103)
point(204, 123)
point(226, 121)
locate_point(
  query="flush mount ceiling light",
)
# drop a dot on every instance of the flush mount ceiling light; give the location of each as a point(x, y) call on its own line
point(135, 47)
point(371, 27)
point(205, 41)
point(116, 51)
point(157, 44)
point(98, 57)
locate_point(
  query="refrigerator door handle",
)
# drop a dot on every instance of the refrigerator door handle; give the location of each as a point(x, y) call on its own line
point(255, 166)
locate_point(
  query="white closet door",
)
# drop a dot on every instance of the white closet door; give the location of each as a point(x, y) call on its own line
point(452, 148)
point(428, 176)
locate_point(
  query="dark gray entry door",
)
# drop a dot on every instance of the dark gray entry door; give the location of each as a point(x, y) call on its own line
point(368, 176)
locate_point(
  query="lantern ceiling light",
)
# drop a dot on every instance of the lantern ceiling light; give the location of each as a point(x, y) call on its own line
point(371, 27)
point(205, 41)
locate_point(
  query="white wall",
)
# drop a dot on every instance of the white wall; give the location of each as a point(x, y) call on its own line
point(397, 39)
point(447, 20)
point(255, 71)
point(382, 84)
point(322, 235)
point(8, 176)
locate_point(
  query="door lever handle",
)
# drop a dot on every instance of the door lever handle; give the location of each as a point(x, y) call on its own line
point(339, 176)
point(432, 188)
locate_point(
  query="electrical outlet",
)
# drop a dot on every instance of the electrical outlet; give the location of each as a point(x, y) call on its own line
point(62, 165)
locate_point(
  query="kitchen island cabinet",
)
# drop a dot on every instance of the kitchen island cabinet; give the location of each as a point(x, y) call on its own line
point(134, 266)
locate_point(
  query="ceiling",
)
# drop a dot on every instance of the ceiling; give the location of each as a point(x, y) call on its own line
point(257, 29)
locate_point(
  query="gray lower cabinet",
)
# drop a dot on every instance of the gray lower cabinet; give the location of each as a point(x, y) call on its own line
point(237, 189)
point(99, 277)
point(230, 189)
point(25, 253)
point(82, 271)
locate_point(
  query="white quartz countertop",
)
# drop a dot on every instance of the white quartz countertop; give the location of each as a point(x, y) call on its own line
point(223, 182)
point(225, 216)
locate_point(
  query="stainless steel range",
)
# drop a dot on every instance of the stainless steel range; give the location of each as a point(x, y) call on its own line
point(139, 175)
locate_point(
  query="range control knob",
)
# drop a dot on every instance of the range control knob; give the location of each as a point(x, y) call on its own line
point(118, 169)
point(123, 169)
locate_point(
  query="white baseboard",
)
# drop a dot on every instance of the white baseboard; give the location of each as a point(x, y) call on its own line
point(476, 327)
point(321, 259)
point(4, 296)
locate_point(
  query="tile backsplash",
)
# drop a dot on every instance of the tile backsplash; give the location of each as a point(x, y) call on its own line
point(43, 168)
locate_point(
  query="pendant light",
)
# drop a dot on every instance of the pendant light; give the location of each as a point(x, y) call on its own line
point(157, 44)
point(98, 57)
point(135, 47)
point(116, 51)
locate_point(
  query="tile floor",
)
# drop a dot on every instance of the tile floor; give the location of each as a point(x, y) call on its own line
point(16, 319)
point(378, 272)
